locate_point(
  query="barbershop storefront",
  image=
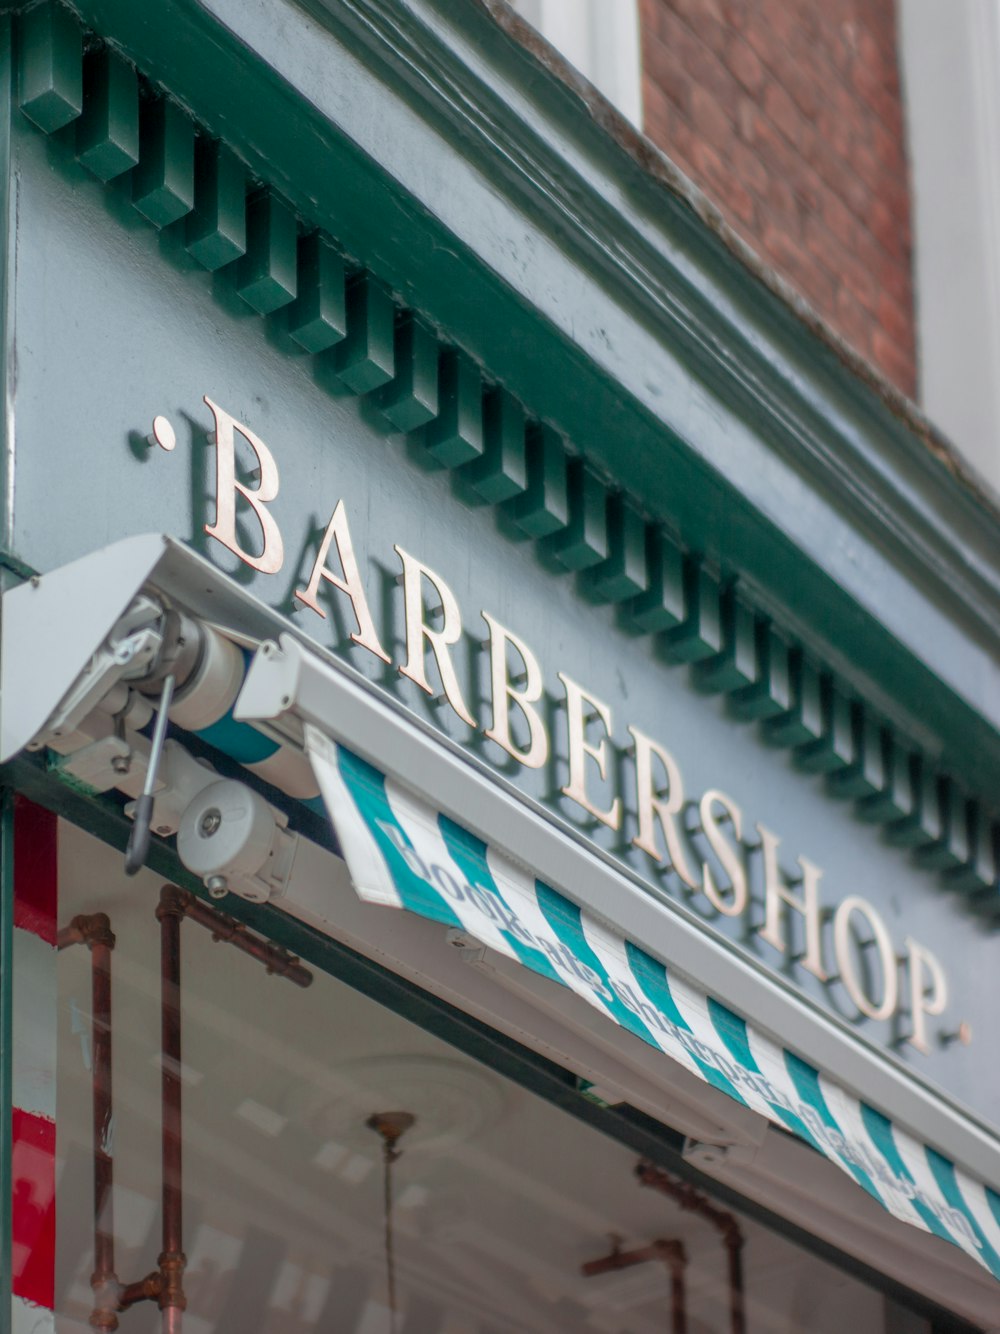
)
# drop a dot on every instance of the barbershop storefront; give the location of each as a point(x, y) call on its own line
point(499, 726)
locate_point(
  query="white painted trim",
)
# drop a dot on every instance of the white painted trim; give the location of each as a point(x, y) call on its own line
point(27, 1318)
point(35, 1024)
point(601, 39)
point(950, 63)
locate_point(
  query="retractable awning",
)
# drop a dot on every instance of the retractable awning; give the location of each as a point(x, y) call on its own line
point(425, 827)
point(403, 853)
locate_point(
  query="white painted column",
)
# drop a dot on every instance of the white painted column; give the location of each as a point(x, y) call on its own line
point(601, 39)
point(950, 65)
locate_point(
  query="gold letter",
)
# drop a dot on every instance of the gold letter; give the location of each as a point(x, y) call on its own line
point(845, 961)
point(580, 748)
point(729, 857)
point(920, 1005)
point(226, 487)
point(338, 531)
point(538, 751)
point(417, 630)
point(777, 894)
point(652, 806)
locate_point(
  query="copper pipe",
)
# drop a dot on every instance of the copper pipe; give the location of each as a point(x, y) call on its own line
point(724, 1222)
point(95, 932)
point(143, 1290)
point(734, 1245)
point(671, 1253)
point(677, 1262)
point(104, 1280)
point(273, 957)
point(165, 1284)
point(171, 1262)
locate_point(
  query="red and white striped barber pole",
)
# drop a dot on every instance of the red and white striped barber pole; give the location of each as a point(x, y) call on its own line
point(34, 1070)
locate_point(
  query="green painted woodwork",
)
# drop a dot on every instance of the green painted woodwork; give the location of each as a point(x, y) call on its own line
point(501, 471)
point(215, 231)
point(456, 434)
point(834, 751)
point(163, 182)
point(365, 359)
point(699, 634)
point(543, 507)
point(107, 133)
point(8, 268)
point(802, 724)
point(770, 692)
point(736, 669)
point(663, 605)
point(318, 317)
point(624, 573)
point(898, 797)
point(410, 399)
point(922, 826)
point(862, 774)
point(950, 849)
point(977, 874)
point(266, 276)
point(51, 66)
point(584, 540)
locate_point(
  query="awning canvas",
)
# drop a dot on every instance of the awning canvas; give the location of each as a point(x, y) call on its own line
point(403, 853)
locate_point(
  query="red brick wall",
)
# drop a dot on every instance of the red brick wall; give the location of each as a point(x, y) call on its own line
point(787, 113)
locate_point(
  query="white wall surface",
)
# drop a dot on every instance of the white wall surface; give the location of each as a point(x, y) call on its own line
point(599, 37)
point(950, 62)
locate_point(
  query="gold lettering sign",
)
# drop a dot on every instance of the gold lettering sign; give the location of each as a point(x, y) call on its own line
point(779, 899)
point(659, 809)
point(795, 923)
point(258, 497)
point(581, 708)
point(734, 904)
point(855, 985)
point(349, 582)
point(420, 636)
point(503, 694)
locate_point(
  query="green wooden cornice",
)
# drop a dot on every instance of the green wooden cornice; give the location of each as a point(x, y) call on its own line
point(572, 331)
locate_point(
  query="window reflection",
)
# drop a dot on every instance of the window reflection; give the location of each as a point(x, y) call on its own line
point(499, 1197)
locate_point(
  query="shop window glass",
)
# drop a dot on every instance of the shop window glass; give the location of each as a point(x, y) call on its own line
point(499, 1198)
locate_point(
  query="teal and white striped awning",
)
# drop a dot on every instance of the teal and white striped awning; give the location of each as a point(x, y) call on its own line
point(403, 853)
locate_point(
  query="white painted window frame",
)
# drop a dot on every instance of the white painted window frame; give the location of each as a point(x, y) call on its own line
point(601, 39)
point(950, 63)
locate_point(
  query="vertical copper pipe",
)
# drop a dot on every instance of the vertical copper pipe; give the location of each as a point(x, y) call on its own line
point(172, 1260)
point(689, 1198)
point(95, 932)
point(734, 1247)
point(677, 1260)
point(104, 1280)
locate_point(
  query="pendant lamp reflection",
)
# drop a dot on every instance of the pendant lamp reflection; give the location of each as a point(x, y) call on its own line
point(390, 1126)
